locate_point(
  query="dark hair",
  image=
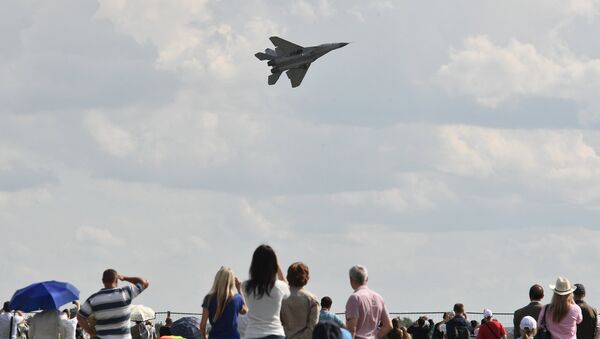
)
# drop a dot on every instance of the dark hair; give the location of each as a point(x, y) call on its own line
point(297, 274)
point(326, 302)
point(395, 323)
point(459, 308)
point(421, 322)
point(327, 330)
point(6, 306)
point(263, 271)
point(109, 276)
point(579, 290)
point(536, 292)
point(474, 323)
point(164, 331)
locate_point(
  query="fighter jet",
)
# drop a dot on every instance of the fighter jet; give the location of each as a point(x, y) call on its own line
point(293, 58)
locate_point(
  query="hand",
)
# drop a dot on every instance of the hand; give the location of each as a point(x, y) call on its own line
point(75, 302)
point(120, 277)
point(238, 284)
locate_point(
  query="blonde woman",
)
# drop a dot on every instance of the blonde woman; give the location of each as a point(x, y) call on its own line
point(528, 327)
point(222, 305)
point(561, 317)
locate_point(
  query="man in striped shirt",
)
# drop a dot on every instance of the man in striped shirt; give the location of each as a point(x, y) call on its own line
point(111, 306)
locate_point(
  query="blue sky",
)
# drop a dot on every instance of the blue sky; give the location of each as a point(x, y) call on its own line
point(452, 147)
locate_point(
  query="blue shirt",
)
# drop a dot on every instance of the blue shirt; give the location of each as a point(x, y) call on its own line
point(325, 315)
point(226, 327)
point(452, 324)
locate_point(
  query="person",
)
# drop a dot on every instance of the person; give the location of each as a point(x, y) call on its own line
point(457, 327)
point(222, 305)
point(365, 308)
point(475, 327)
point(300, 311)
point(588, 327)
point(45, 325)
point(421, 328)
point(562, 315)
point(9, 322)
point(533, 309)
point(264, 293)
point(438, 329)
point(490, 328)
point(528, 327)
point(327, 315)
point(110, 306)
point(330, 330)
point(68, 324)
point(395, 332)
point(165, 330)
point(139, 331)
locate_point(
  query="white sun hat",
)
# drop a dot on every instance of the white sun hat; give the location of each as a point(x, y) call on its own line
point(563, 286)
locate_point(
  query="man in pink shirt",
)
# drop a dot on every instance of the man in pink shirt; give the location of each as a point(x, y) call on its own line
point(365, 308)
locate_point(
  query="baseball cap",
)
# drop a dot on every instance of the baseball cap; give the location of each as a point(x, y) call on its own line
point(487, 313)
point(528, 323)
point(579, 289)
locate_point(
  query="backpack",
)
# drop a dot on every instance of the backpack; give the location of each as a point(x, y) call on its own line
point(461, 331)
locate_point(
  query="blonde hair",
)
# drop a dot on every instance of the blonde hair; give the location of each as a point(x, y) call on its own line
point(560, 305)
point(223, 290)
point(528, 333)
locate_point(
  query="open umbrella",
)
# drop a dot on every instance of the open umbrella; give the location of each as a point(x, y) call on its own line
point(187, 327)
point(142, 313)
point(47, 295)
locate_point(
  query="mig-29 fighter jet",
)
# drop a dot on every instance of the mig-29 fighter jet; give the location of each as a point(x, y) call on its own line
point(292, 58)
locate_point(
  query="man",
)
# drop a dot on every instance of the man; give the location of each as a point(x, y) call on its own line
point(9, 322)
point(45, 325)
point(587, 328)
point(536, 294)
point(327, 315)
point(421, 328)
point(438, 329)
point(490, 328)
point(111, 306)
point(457, 327)
point(365, 308)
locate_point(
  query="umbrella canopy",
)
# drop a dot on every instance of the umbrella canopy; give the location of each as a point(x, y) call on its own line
point(47, 295)
point(187, 327)
point(142, 313)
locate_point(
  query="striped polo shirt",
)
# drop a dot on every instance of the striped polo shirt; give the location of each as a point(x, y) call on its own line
point(111, 308)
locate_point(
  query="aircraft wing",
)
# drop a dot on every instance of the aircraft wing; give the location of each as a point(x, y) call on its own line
point(285, 46)
point(297, 74)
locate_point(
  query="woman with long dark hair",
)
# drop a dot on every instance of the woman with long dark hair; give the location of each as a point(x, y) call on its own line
point(562, 315)
point(264, 293)
point(222, 305)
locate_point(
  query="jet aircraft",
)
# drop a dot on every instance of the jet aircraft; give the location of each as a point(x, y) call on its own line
point(293, 58)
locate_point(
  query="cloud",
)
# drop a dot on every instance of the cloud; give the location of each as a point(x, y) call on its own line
point(97, 236)
point(493, 74)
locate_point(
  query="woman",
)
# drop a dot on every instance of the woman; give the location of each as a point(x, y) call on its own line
point(561, 317)
point(222, 305)
point(528, 327)
point(264, 293)
point(299, 312)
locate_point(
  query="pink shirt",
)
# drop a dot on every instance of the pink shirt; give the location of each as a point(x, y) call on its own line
point(368, 308)
point(566, 328)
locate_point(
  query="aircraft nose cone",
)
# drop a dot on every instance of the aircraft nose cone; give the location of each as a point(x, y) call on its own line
point(342, 44)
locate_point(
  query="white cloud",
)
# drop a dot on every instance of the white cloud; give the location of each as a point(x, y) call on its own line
point(98, 236)
point(493, 74)
point(112, 139)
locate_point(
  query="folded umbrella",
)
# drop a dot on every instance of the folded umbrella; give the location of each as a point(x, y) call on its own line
point(142, 313)
point(47, 295)
point(187, 327)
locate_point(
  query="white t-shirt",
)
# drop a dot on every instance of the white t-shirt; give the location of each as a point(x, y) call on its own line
point(69, 326)
point(263, 313)
point(5, 324)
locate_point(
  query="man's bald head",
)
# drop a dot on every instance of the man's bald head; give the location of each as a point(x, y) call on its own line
point(536, 293)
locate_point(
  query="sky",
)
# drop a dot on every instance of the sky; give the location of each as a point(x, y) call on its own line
point(452, 147)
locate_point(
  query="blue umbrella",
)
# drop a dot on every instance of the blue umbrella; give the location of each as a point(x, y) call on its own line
point(187, 327)
point(47, 295)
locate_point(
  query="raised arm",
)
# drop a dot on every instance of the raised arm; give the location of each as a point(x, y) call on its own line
point(135, 281)
point(203, 323)
point(238, 287)
point(84, 324)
